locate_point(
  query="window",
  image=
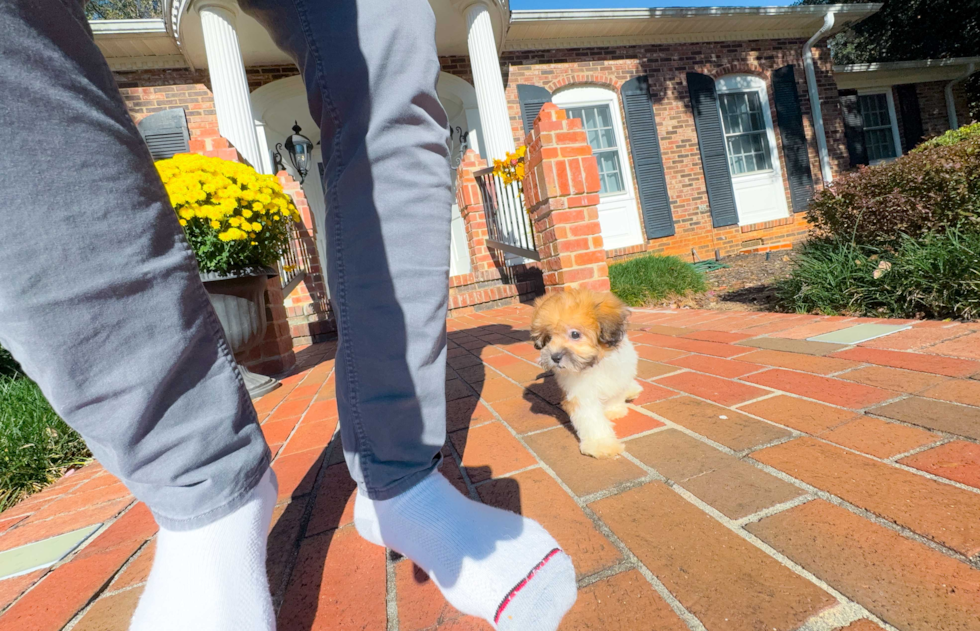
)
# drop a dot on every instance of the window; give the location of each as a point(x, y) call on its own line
point(879, 136)
point(745, 133)
point(598, 124)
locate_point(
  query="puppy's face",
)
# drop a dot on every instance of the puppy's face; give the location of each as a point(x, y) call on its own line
point(574, 329)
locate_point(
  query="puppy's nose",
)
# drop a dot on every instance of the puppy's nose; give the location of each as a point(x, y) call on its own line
point(556, 357)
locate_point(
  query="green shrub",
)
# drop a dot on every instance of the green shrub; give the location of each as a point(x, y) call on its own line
point(951, 137)
point(936, 276)
point(652, 278)
point(917, 194)
point(36, 447)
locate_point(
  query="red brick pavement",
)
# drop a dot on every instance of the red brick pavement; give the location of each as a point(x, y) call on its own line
point(768, 484)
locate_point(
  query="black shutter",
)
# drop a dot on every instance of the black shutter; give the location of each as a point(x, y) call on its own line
point(790, 118)
point(850, 108)
point(908, 105)
point(532, 98)
point(714, 159)
point(648, 167)
point(165, 133)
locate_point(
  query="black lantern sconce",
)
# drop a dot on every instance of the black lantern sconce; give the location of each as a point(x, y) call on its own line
point(299, 148)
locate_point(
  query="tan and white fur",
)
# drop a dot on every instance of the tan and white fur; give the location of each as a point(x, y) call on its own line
point(582, 338)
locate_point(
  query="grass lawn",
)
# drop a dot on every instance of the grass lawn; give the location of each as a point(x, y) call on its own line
point(649, 279)
point(36, 447)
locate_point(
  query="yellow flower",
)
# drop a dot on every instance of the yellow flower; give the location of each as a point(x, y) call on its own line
point(276, 217)
point(246, 213)
point(183, 222)
point(215, 224)
point(256, 226)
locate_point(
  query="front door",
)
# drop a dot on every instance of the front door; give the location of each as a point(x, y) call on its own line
point(751, 146)
point(599, 111)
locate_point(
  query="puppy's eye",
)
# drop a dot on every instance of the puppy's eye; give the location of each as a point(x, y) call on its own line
point(575, 335)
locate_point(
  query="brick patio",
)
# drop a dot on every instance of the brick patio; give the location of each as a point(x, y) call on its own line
point(771, 483)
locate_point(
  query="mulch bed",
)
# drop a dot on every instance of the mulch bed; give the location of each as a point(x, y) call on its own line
point(747, 284)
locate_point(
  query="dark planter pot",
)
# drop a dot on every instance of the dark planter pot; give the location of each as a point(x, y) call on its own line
point(239, 301)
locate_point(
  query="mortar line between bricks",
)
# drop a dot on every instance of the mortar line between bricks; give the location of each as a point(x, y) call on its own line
point(941, 432)
point(773, 510)
point(129, 561)
point(944, 440)
point(837, 618)
point(505, 475)
point(833, 499)
point(898, 465)
point(391, 594)
point(595, 577)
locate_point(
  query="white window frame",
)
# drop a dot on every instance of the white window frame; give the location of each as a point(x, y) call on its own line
point(896, 137)
point(590, 95)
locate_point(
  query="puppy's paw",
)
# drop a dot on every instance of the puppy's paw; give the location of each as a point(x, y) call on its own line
point(614, 412)
point(601, 448)
point(634, 391)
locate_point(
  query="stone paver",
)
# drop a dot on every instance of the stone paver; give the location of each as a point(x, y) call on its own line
point(718, 576)
point(624, 601)
point(879, 438)
point(833, 391)
point(721, 418)
point(958, 461)
point(902, 581)
point(935, 510)
point(939, 415)
point(722, 425)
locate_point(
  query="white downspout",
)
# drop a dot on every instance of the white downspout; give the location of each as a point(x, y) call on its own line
point(951, 101)
point(811, 85)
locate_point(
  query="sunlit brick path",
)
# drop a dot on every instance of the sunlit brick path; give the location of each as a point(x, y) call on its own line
point(770, 483)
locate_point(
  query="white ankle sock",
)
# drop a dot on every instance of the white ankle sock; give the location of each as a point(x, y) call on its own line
point(487, 562)
point(213, 578)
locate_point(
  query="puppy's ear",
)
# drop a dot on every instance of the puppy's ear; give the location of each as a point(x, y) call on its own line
point(540, 331)
point(611, 315)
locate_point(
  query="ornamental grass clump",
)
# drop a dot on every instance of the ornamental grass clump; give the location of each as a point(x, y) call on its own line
point(234, 217)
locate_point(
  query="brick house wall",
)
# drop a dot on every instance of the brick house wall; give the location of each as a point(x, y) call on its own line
point(932, 102)
point(667, 65)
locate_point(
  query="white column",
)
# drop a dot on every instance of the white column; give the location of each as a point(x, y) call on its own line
point(228, 83)
point(265, 156)
point(488, 81)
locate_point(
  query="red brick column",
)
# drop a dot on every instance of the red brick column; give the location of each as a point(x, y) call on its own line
point(307, 307)
point(561, 191)
point(471, 207)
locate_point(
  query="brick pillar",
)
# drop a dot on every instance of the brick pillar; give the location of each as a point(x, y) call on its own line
point(561, 191)
point(307, 307)
point(471, 207)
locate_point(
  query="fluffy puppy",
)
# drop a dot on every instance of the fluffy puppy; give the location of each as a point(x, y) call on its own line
point(582, 338)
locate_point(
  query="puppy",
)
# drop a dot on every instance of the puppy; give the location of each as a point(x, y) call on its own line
point(582, 338)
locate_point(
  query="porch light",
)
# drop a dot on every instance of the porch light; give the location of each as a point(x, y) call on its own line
point(299, 148)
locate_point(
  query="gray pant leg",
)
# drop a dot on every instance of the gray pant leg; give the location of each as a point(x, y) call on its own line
point(100, 299)
point(370, 68)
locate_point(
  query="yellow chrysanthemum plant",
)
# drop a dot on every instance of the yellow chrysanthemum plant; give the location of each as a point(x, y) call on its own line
point(234, 217)
point(511, 168)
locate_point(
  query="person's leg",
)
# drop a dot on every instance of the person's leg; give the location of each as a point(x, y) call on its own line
point(101, 303)
point(370, 68)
